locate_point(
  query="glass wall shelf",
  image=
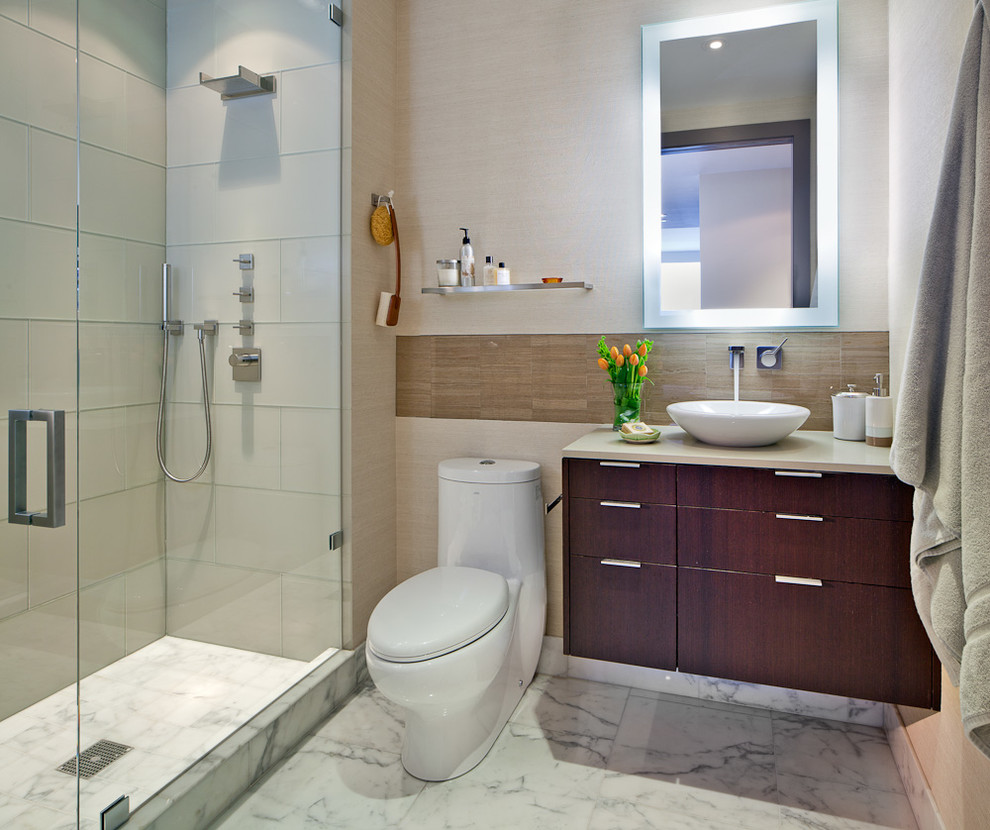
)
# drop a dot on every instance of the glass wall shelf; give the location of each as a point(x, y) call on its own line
point(519, 286)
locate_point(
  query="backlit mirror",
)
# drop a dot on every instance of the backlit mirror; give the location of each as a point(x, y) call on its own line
point(740, 169)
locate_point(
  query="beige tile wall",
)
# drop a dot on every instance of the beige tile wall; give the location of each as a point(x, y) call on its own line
point(530, 134)
point(556, 378)
point(371, 159)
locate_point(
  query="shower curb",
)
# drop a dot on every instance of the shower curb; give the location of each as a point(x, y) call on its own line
point(199, 796)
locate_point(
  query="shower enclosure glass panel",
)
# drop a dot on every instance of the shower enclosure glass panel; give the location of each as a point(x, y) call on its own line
point(161, 616)
point(38, 573)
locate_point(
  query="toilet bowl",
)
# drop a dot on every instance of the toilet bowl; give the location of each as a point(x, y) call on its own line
point(457, 645)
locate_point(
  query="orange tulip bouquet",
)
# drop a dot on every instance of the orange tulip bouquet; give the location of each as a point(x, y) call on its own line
point(627, 372)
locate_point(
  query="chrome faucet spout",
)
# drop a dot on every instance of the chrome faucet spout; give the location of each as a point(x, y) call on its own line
point(736, 354)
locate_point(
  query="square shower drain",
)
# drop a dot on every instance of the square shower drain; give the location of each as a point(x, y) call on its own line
point(92, 760)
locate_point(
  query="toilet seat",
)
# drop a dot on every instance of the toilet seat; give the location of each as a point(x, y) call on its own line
point(436, 612)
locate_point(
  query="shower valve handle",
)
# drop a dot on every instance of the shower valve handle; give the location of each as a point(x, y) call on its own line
point(246, 294)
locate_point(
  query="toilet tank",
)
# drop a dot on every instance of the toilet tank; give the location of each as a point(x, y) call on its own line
point(491, 516)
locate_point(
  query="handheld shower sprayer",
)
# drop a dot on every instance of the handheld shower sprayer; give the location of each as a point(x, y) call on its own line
point(175, 328)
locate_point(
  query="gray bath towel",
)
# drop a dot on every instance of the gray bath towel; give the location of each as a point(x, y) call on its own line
point(942, 439)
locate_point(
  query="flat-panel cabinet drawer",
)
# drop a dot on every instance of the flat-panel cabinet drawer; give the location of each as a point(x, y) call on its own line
point(858, 495)
point(623, 530)
point(623, 613)
point(872, 551)
point(860, 641)
point(621, 480)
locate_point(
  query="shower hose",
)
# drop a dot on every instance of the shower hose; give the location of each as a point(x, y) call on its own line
point(160, 441)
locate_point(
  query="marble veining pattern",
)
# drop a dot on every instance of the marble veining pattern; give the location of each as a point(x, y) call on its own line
point(171, 701)
point(582, 754)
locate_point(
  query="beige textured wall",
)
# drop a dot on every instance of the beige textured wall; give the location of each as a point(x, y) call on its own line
point(522, 121)
point(369, 360)
point(924, 62)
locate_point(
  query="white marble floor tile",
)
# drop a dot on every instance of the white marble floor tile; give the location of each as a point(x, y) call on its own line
point(470, 806)
point(564, 704)
point(331, 785)
point(618, 814)
point(709, 748)
point(171, 701)
point(584, 755)
point(371, 721)
point(527, 758)
point(835, 752)
point(807, 802)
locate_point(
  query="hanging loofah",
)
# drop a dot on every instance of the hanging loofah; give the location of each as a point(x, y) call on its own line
point(381, 225)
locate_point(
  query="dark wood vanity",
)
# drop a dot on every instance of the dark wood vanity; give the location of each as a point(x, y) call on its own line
point(772, 575)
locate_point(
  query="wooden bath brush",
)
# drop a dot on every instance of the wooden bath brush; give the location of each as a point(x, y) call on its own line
point(386, 232)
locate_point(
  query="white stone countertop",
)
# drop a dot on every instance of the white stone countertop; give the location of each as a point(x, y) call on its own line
point(802, 450)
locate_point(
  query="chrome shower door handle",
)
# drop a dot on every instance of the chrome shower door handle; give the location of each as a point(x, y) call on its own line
point(17, 510)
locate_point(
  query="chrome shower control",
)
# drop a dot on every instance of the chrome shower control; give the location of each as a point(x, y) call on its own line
point(245, 327)
point(245, 293)
point(245, 261)
point(246, 364)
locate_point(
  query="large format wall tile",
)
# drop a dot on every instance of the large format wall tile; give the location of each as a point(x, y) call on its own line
point(13, 170)
point(247, 446)
point(310, 450)
point(276, 531)
point(204, 278)
point(310, 616)
point(120, 112)
point(119, 532)
point(223, 605)
point(120, 280)
point(264, 36)
point(310, 280)
point(224, 130)
point(121, 196)
point(39, 271)
point(42, 90)
point(13, 567)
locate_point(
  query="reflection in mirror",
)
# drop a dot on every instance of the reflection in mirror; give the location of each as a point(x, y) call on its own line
point(740, 169)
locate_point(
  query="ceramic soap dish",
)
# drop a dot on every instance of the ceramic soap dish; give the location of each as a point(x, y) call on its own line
point(639, 433)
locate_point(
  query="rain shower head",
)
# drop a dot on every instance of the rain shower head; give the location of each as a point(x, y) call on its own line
point(242, 85)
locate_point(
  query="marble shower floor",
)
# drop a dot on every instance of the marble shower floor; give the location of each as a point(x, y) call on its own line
point(171, 701)
point(579, 755)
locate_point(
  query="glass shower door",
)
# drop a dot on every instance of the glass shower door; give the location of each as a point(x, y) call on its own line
point(38, 402)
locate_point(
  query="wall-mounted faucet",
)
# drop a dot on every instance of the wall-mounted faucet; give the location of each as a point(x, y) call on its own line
point(770, 357)
point(736, 354)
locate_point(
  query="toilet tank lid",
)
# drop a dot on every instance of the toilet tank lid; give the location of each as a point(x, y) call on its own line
point(436, 612)
point(489, 470)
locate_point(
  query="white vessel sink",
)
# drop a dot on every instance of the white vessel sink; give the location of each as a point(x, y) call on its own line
point(738, 423)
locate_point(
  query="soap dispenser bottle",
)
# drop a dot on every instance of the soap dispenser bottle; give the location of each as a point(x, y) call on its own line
point(467, 261)
point(879, 416)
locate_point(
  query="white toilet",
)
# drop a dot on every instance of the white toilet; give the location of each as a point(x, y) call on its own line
point(457, 645)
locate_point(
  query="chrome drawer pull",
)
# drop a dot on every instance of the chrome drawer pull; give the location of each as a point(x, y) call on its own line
point(633, 504)
point(621, 563)
point(798, 580)
point(796, 474)
point(634, 465)
point(800, 518)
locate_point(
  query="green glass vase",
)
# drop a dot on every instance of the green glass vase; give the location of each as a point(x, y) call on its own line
point(628, 401)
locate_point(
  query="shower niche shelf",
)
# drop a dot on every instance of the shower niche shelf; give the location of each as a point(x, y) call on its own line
point(518, 286)
point(242, 85)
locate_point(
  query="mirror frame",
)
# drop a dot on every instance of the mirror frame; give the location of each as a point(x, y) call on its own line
point(826, 313)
